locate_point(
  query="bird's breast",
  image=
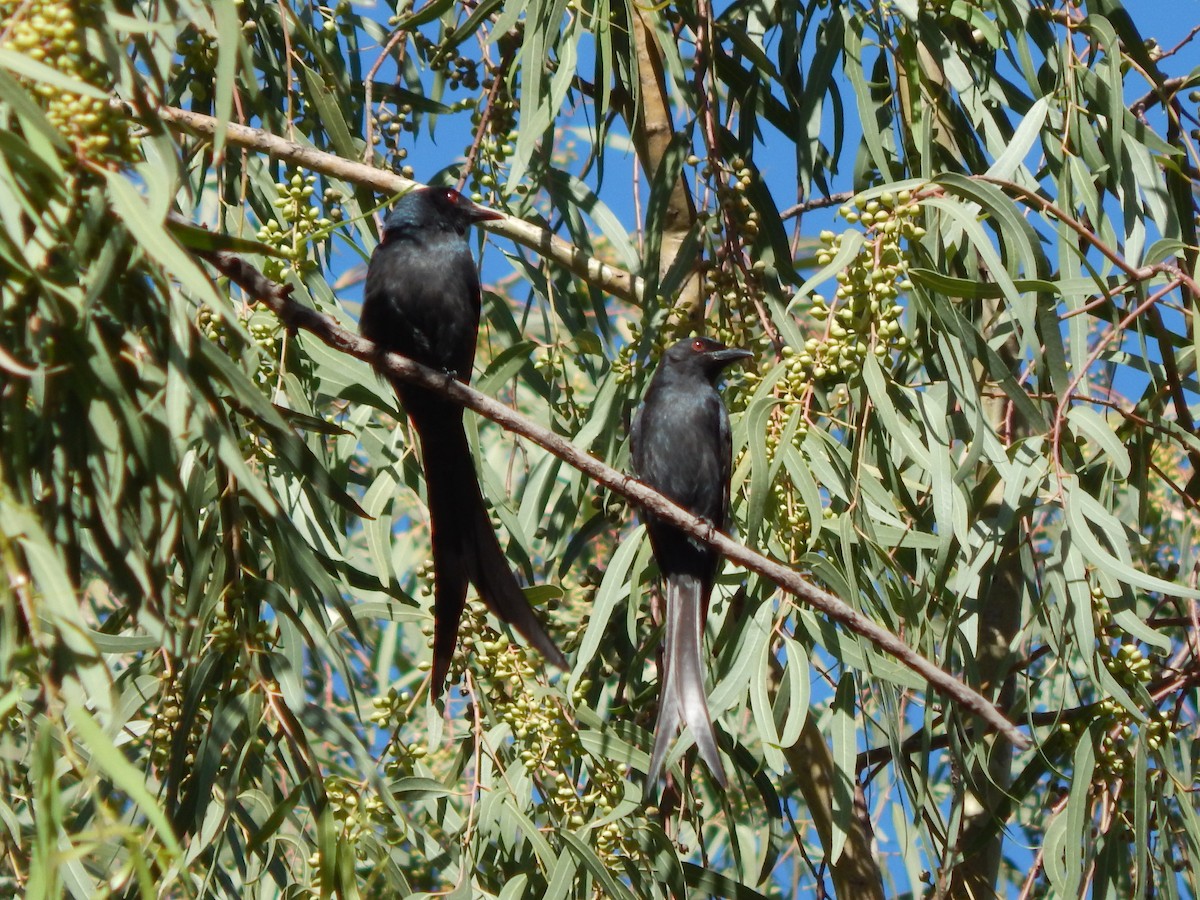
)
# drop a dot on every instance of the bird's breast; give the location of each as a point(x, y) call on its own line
point(422, 299)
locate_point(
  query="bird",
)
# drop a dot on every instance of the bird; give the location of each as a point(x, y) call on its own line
point(681, 447)
point(422, 300)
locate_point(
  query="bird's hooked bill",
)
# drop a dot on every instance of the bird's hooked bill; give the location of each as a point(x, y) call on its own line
point(731, 355)
point(477, 211)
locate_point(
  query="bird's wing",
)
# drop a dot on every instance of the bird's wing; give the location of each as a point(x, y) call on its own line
point(422, 299)
point(725, 465)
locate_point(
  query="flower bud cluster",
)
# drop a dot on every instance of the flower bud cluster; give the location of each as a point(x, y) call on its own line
point(1116, 751)
point(545, 738)
point(53, 32)
point(863, 316)
point(265, 331)
point(300, 223)
point(497, 114)
point(387, 130)
point(392, 712)
point(553, 362)
point(731, 181)
point(359, 811)
point(1117, 725)
point(733, 284)
point(164, 734)
point(443, 57)
point(197, 63)
point(627, 364)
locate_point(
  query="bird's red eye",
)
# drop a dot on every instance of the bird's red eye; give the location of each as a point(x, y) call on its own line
point(450, 195)
point(698, 345)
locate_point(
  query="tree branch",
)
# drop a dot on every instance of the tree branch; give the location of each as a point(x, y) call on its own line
point(1163, 93)
point(816, 203)
point(653, 131)
point(614, 280)
point(294, 315)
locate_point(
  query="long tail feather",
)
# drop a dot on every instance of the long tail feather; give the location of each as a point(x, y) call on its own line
point(493, 577)
point(682, 700)
point(465, 547)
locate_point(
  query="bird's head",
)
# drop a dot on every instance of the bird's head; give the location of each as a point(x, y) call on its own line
point(704, 355)
point(440, 208)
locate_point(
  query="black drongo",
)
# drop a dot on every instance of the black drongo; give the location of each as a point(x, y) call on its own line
point(422, 300)
point(681, 447)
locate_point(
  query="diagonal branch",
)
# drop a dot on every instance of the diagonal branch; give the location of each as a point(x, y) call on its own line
point(295, 315)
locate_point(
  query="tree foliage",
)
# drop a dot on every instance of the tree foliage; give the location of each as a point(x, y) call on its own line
point(970, 417)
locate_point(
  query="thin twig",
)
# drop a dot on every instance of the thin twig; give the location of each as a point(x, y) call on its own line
point(1135, 273)
point(1060, 414)
point(816, 203)
point(1164, 93)
point(398, 37)
point(485, 118)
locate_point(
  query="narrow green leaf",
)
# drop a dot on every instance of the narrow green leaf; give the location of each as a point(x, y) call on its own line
point(1094, 427)
point(156, 240)
point(332, 118)
point(563, 876)
point(1083, 513)
point(105, 755)
point(229, 47)
point(844, 736)
point(1011, 161)
point(28, 67)
point(764, 714)
point(600, 872)
point(795, 714)
point(613, 588)
point(705, 881)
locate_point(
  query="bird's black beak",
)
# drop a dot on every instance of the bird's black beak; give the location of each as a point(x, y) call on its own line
point(729, 356)
point(476, 212)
